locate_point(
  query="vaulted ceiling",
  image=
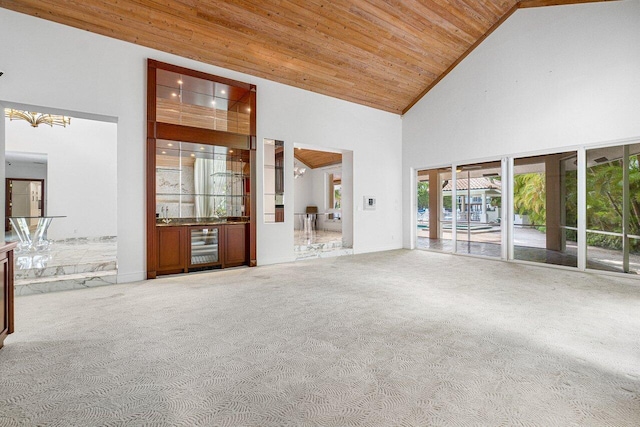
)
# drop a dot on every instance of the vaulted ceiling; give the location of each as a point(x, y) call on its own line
point(385, 54)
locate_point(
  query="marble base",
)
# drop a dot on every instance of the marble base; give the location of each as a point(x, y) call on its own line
point(65, 283)
point(323, 254)
point(68, 264)
point(62, 270)
point(319, 244)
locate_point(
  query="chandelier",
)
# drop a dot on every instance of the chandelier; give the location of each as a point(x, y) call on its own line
point(297, 171)
point(36, 119)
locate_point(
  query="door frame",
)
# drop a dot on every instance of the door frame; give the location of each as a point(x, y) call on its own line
point(7, 202)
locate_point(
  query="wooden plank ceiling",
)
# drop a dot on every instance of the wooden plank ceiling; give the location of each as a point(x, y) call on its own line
point(317, 159)
point(385, 54)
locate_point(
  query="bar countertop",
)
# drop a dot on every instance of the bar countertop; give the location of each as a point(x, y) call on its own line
point(179, 222)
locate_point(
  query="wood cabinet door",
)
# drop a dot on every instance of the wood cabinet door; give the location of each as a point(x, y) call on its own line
point(235, 247)
point(172, 257)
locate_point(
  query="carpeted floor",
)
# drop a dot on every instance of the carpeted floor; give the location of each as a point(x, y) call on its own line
point(401, 338)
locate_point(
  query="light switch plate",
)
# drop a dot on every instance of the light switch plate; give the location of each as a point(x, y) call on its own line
point(369, 203)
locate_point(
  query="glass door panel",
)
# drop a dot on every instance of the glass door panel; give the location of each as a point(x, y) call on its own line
point(434, 210)
point(478, 209)
point(204, 246)
point(634, 255)
point(613, 208)
point(605, 207)
point(545, 209)
point(633, 230)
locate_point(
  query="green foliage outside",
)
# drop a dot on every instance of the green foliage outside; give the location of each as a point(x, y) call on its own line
point(529, 197)
point(337, 196)
point(446, 202)
point(423, 195)
point(604, 202)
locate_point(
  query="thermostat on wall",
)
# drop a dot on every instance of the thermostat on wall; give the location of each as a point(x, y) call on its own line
point(369, 203)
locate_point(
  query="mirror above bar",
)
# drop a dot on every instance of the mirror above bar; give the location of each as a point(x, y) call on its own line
point(200, 183)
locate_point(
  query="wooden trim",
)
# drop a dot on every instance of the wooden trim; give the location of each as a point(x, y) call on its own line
point(253, 117)
point(201, 136)
point(198, 74)
point(10, 288)
point(152, 238)
point(253, 217)
point(521, 4)
point(7, 325)
point(7, 211)
point(151, 92)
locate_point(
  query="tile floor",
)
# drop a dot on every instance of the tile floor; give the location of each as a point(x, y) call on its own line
point(530, 245)
point(67, 264)
point(319, 244)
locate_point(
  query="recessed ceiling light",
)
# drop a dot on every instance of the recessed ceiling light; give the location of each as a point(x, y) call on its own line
point(231, 151)
point(170, 144)
point(164, 152)
point(179, 82)
point(223, 91)
point(193, 155)
point(174, 94)
point(202, 148)
point(213, 102)
point(248, 109)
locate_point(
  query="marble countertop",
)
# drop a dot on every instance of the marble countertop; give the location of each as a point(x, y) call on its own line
point(179, 222)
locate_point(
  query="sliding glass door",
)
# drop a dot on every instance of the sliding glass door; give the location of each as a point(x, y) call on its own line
point(613, 209)
point(545, 194)
point(575, 208)
point(434, 210)
point(479, 209)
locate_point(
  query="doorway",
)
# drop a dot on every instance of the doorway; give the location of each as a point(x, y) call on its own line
point(65, 179)
point(322, 202)
point(25, 198)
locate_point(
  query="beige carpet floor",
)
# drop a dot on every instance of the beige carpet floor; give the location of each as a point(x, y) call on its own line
point(401, 338)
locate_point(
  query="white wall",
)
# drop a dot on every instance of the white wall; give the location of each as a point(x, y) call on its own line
point(303, 118)
point(88, 73)
point(25, 169)
point(303, 189)
point(81, 174)
point(547, 78)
